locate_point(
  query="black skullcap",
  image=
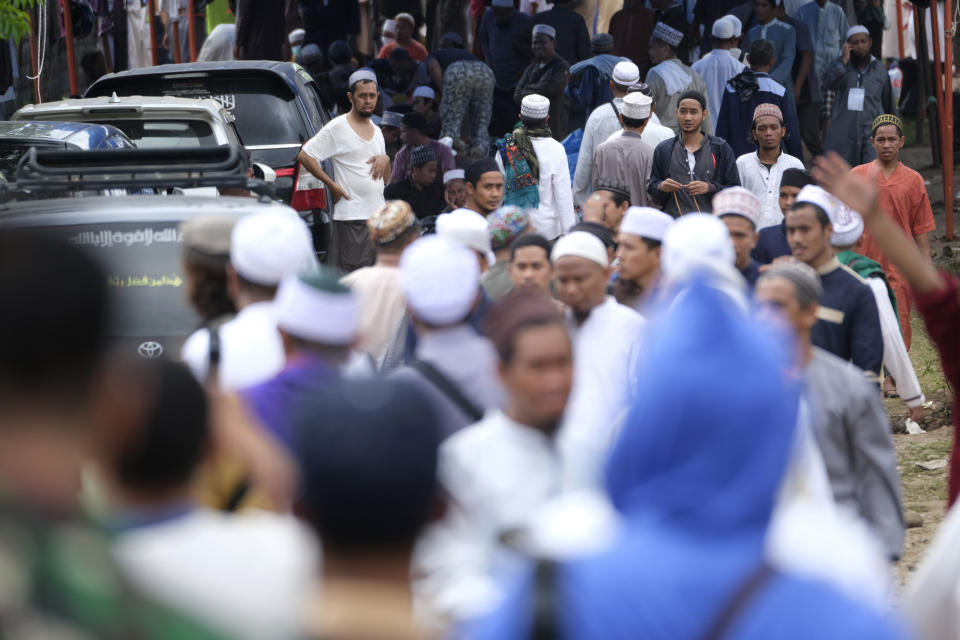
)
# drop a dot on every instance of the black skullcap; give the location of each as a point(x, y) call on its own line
point(367, 451)
point(640, 87)
point(597, 229)
point(451, 39)
point(796, 178)
point(478, 168)
point(693, 95)
point(416, 121)
point(339, 52)
point(422, 155)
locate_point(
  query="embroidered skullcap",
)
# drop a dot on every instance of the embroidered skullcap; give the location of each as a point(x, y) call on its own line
point(854, 30)
point(815, 195)
point(615, 186)
point(601, 43)
point(636, 106)
point(440, 278)
point(389, 26)
point(693, 95)
point(737, 25)
point(453, 174)
point(468, 228)
point(646, 222)
point(581, 244)
point(363, 74)
point(314, 306)
point(626, 73)
point(640, 87)
point(506, 224)
point(887, 118)
point(420, 156)
point(407, 17)
point(795, 178)
point(268, 246)
point(391, 119)
point(425, 92)
point(737, 201)
point(535, 107)
point(668, 34)
point(390, 222)
point(545, 29)
point(722, 29)
point(847, 226)
point(767, 109)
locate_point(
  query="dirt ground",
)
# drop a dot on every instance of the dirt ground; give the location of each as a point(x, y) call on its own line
point(924, 490)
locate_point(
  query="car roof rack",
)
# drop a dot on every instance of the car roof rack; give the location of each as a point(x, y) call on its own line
point(46, 171)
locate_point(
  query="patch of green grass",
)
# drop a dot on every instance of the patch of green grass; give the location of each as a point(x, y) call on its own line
point(926, 359)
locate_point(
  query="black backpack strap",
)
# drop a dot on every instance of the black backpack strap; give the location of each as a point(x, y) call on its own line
point(448, 388)
point(545, 607)
point(747, 593)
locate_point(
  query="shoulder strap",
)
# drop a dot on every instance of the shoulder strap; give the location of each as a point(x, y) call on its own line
point(545, 609)
point(746, 594)
point(447, 387)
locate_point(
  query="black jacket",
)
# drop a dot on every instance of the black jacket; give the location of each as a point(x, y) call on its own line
point(716, 165)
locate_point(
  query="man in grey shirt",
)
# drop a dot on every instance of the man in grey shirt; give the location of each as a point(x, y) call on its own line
point(849, 421)
point(454, 365)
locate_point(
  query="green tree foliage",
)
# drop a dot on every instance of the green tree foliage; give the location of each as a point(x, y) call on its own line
point(15, 18)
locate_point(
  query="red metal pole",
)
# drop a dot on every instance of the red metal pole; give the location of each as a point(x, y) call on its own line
point(152, 11)
point(174, 37)
point(947, 120)
point(71, 54)
point(34, 52)
point(192, 31)
point(900, 28)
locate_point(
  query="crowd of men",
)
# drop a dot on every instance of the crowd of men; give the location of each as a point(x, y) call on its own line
point(639, 399)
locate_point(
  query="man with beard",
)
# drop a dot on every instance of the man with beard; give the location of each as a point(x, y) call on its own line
point(863, 93)
point(356, 149)
point(547, 75)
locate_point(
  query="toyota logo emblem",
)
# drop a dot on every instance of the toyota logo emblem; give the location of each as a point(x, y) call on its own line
point(150, 349)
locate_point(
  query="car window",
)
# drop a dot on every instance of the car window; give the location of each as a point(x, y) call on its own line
point(142, 265)
point(114, 142)
point(152, 134)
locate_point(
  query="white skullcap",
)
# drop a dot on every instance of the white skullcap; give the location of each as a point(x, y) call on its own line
point(582, 245)
point(453, 174)
point(407, 17)
point(723, 29)
point(636, 106)
point(545, 29)
point(816, 195)
point(668, 34)
point(847, 226)
point(646, 222)
point(363, 74)
point(313, 306)
point(296, 36)
point(695, 237)
point(468, 228)
point(626, 74)
point(440, 279)
point(389, 25)
point(737, 25)
point(535, 107)
point(425, 92)
point(737, 201)
point(854, 30)
point(267, 247)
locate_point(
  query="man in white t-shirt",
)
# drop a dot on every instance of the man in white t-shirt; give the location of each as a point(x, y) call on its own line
point(356, 150)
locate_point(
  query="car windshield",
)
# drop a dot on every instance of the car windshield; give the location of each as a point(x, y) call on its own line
point(155, 134)
point(144, 274)
point(11, 152)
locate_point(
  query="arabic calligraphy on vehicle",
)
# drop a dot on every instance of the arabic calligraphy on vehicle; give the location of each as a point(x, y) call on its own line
point(172, 280)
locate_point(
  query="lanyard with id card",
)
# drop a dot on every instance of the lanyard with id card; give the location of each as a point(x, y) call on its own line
point(855, 99)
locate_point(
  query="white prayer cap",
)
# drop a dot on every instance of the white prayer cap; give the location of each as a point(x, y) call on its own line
point(266, 247)
point(453, 174)
point(314, 306)
point(815, 195)
point(737, 25)
point(854, 30)
point(363, 74)
point(668, 34)
point(636, 106)
point(389, 26)
point(468, 228)
point(406, 17)
point(535, 107)
point(440, 279)
point(737, 201)
point(626, 74)
point(646, 222)
point(296, 36)
point(696, 237)
point(425, 92)
point(847, 226)
point(582, 245)
point(723, 29)
point(545, 29)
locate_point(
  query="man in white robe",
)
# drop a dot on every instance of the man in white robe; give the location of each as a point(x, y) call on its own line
point(670, 77)
point(719, 66)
